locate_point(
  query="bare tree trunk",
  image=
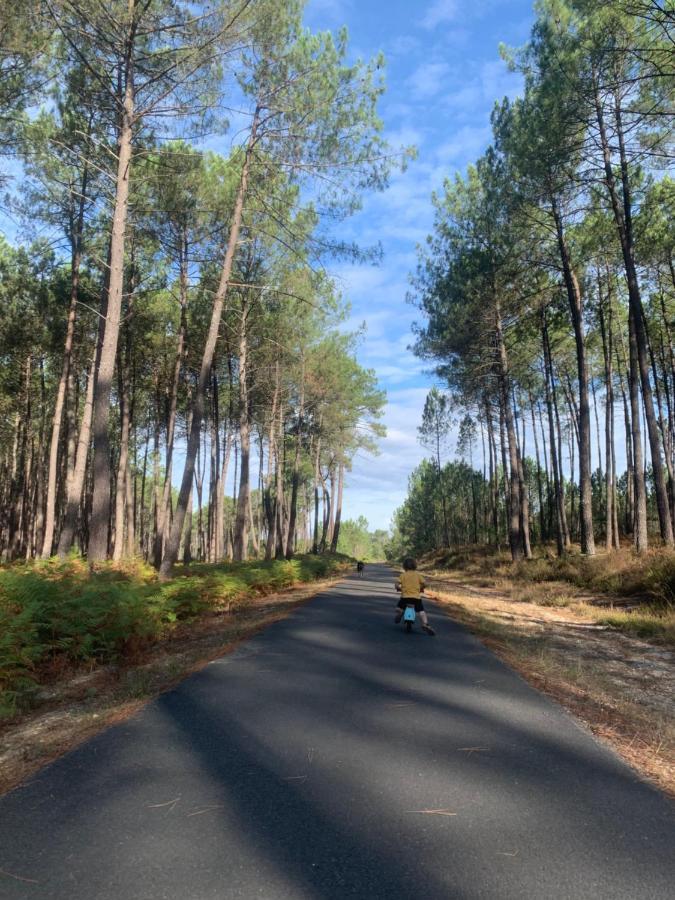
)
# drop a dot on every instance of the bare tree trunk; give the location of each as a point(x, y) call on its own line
point(77, 476)
point(663, 426)
point(129, 502)
point(173, 400)
point(494, 466)
point(524, 493)
point(557, 475)
point(220, 492)
point(515, 510)
point(50, 513)
point(295, 482)
point(123, 464)
point(540, 488)
point(338, 508)
point(640, 536)
point(606, 333)
point(171, 552)
point(317, 480)
point(577, 313)
point(241, 520)
point(142, 518)
point(624, 221)
point(100, 511)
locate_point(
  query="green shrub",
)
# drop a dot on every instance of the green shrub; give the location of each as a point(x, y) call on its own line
point(57, 608)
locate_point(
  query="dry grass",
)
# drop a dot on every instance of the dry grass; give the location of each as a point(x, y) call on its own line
point(633, 594)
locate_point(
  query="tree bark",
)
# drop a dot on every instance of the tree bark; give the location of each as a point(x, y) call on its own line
point(640, 535)
point(241, 521)
point(623, 216)
point(515, 510)
point(295, 478)
point(173, 399)
point(100, 511)
point(171, 552)
point(77, 476)
point(557, 475)
point(577, 314)
point(123, 464)
point(338, 507)
point(540, 487)
point(50, 511)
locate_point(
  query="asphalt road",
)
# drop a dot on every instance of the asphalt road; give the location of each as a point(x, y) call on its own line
point(334, 756)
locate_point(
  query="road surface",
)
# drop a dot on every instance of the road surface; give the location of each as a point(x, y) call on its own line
point(334, 756)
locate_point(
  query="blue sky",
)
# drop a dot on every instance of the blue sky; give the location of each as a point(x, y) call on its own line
point(444, 74)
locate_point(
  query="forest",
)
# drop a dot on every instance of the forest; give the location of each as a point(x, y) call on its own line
point(546, 295)
point(176, 381)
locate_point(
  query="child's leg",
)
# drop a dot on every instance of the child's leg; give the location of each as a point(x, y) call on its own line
point(425, 623)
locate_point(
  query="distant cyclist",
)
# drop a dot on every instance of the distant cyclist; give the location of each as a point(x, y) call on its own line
point(411, 585)
point(359, 568)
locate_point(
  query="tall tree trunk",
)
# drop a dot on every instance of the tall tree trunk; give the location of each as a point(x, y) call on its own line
point(295, 478)
point(50, 512)
point(270, 497)
point(100, 511)
point(130, 547)
point(21, 468)
point(220, 492)
point(494, 466)
point(241, 520)
point(663, 425)
point(171, 552)
point(540, 487)
point(515, 508)
point(325, 500)
point(623, 216)
point(606, 334)
point(317, 481)
point(524, 493)
point(123, 463)
point(555, 468)
point(338, 507)
point(77, 476)
point(577, 314)
point(173, 400)
point(640, 536)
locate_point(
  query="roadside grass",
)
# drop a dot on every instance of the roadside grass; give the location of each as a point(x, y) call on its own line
point(656, 627)
point(632, 593)
point(56, 617)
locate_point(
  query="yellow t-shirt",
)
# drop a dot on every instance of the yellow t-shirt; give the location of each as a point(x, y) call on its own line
point(411, 584)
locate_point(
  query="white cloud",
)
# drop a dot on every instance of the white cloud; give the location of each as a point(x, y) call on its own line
point(466, 144)
point(402, 45)
point(439, 12)
point(428, 79)
point(334, 12)
point(376, 487)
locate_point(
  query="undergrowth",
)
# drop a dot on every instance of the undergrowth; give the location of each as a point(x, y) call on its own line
point(647, 580)
point(56, 612)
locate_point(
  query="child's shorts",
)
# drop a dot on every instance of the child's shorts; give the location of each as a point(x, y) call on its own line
point(407, 601)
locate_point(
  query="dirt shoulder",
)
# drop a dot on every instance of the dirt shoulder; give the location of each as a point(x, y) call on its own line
point(79, 704)
point(622, 688)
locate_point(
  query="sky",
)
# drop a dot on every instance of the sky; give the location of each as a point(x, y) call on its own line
point(444, 74)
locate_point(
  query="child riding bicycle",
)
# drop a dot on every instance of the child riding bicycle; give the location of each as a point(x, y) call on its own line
point(411, 584)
